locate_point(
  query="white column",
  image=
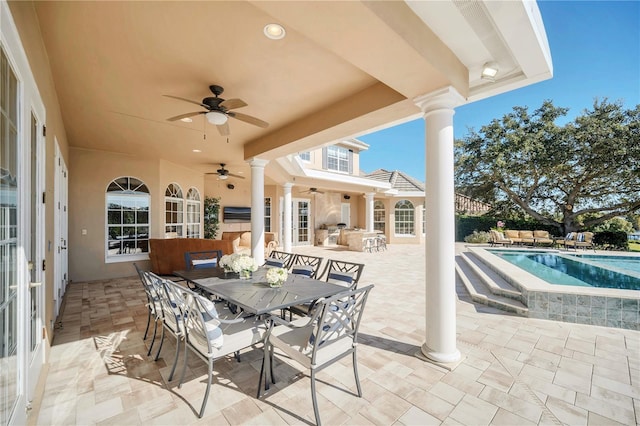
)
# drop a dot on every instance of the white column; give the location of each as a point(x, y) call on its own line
point(440, 339)
point(286, 232)
point(257, 209)
point(369, 210)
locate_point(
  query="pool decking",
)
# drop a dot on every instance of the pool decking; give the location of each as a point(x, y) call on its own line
point(515, 370)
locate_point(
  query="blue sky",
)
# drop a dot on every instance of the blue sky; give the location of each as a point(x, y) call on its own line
point(595, 50)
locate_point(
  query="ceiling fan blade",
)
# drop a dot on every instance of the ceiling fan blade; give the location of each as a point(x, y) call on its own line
point(187, 100)
point(224, 129)
point(233, 103)
point(249, 119)
point(235, 176)
point(187, 115)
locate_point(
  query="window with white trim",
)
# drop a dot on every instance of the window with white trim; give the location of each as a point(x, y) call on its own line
point(305, 156)
point(173, 211)
point(127, 201)
point(193, 213)
point(379, 218)
point(338, 159)
point(267, 214)
point(405, 218)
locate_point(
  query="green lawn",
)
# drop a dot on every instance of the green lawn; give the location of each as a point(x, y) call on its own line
point(634, 246)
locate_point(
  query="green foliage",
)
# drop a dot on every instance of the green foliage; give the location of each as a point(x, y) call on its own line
point(568, 177)
point(211, 217)
point(481, 237)
point(466, 225)
point(634, 245)
point(616, 224)
point(611, 240)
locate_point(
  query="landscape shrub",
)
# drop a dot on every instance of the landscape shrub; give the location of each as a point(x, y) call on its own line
point(480, 237)
point(611, 240)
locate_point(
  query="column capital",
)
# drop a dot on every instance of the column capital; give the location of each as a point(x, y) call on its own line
point(447, 98)
point(369, 195)
point(288, 185)
point(257, 162)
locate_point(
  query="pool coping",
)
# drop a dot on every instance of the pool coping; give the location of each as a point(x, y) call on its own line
point(577, 304)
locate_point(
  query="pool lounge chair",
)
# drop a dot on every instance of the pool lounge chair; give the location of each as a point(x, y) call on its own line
point(498, 238)
point(513, 235)
point(583, 240)
point(542, 238)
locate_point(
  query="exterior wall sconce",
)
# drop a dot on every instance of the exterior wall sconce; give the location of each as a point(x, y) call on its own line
point(347, 197)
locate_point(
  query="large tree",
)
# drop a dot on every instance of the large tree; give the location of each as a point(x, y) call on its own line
point(570, 176)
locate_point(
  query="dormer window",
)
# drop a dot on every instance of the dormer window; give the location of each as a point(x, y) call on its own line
point(337, 159)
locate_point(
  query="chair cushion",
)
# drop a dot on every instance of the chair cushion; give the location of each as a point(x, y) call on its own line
point(271, 261)
point(342, 277)
point(580, 237)
point(204, 263)
point(306, 270)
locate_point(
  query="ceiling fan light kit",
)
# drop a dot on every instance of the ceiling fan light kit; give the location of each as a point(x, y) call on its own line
point(216, 117)
point(218, 110)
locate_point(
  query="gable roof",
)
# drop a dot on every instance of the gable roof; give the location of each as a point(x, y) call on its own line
point(402, 182)
point(398, 180)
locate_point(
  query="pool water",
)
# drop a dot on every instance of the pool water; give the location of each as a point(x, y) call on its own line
point(630, 263)
point(570, 270)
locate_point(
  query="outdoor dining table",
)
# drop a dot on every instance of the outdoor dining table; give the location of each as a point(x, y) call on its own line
point(255, 295)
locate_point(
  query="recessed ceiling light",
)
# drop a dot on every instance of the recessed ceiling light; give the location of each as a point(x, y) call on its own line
point(186, 120)
point(274, 31)
point(196, 150)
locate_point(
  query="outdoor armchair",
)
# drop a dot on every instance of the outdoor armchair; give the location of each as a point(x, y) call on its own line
point(210, 336)
point(317, 342)
point(499, 238)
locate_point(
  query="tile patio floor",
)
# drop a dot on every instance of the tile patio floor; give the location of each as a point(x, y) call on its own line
point(515, 371)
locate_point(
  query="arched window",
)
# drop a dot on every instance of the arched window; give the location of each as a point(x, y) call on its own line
point(173, 211)
point(193, 213)
point(379, 218)
point(404, 213)
point(127, 202)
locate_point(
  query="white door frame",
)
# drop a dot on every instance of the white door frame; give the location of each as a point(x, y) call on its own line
point(28, 363)
point(295, 229)
point(61, 215)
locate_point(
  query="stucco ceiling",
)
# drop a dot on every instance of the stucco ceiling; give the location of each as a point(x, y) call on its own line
point(342, 69)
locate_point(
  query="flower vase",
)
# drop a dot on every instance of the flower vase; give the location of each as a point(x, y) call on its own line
point(245, 274)
point(276, 283)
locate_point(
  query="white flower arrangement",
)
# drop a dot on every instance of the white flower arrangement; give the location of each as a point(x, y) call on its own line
point(238, 263)
point(276, 276)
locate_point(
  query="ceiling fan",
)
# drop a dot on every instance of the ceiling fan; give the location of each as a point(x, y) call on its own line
point(224, 174)
point(313, 191)
point(218, 110)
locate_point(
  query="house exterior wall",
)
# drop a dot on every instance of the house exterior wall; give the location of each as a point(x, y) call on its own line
point(90, 173)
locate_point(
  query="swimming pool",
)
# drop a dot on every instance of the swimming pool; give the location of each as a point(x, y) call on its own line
point(629, 263)
point(622, 272)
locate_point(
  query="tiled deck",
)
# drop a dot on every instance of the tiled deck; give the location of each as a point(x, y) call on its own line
point(515, 371)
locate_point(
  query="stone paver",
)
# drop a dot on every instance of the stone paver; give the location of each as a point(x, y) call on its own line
point(514, 370)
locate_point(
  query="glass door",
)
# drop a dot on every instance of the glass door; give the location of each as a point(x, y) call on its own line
point(300, 232)
point(35, 256)
point(11, 398)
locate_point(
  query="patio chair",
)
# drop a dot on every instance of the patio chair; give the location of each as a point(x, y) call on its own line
point(498, 238)
point(526, 237)
point(153, 304)
point(202, 259)
point(542, 238)
point(583, 240)
point(342, 272)
point(171, 301)
point(380, 242)
point(513, 235)
point(336, 272)
point(319, 341)
point(279, 259)
point(211, 337)
point(303, 264)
